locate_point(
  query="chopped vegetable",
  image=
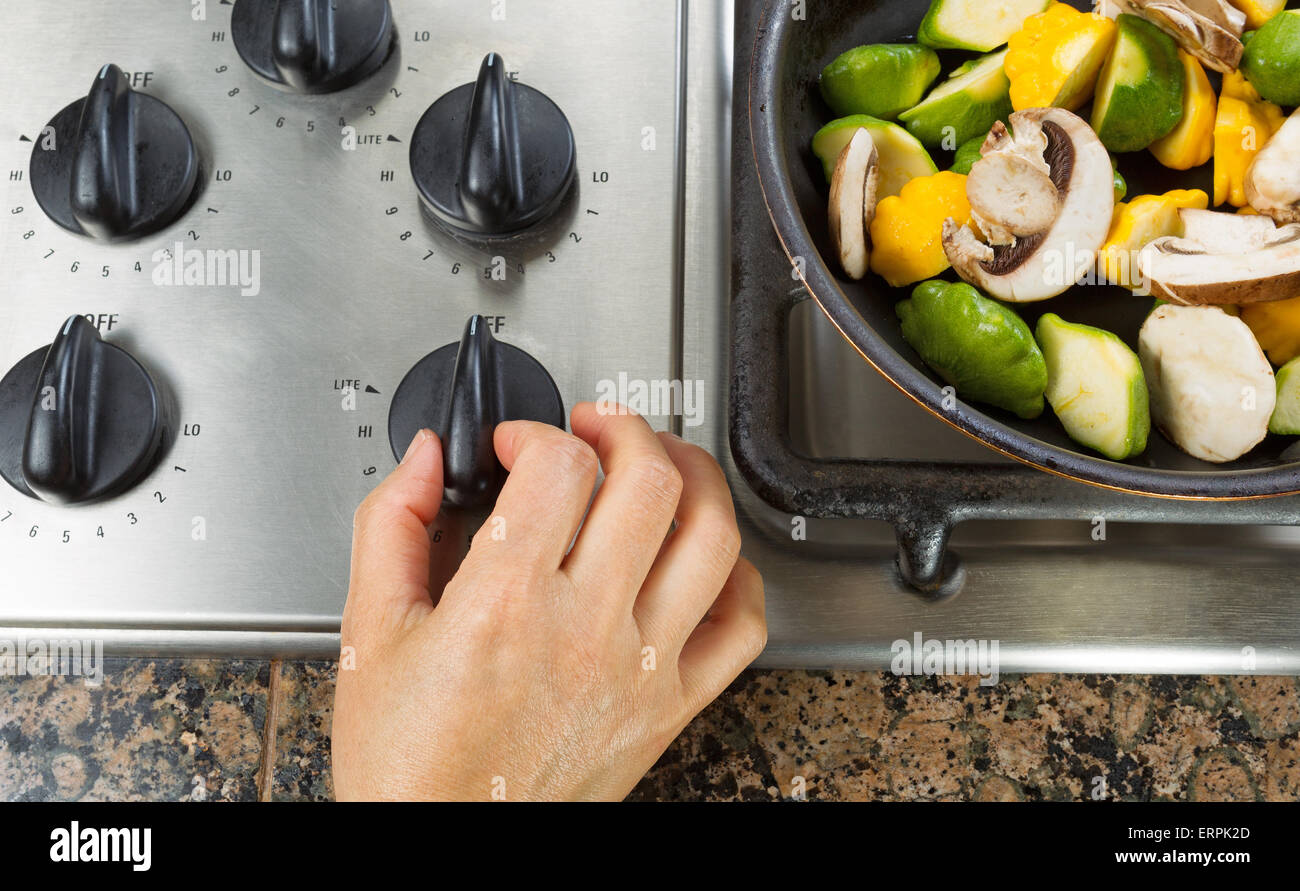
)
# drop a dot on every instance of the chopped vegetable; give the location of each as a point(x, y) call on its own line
point(902, 158)
point(981, 347)
point(1208, 29)
point(1286, 414)
point(1244, 123)
point(1140, 92)
point(974, 24)
point(1224, 259)
point(880, 80)
point(1096, 386)
point(1057, 56)
point(1212, 390)
point(853, 203)
point(1272, 59)
point(907, 233)
point(1276, 325)
point(1035, 197)
point(1273, 181)
point(1191, 143)
point(964, 106)
point(1137, 224)
point(1038, 200)
point(1259, 11)
point(968, 154)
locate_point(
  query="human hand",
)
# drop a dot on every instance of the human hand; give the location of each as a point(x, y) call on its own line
point(542, 672)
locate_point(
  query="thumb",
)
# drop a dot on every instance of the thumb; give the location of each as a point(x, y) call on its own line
point(390, 544)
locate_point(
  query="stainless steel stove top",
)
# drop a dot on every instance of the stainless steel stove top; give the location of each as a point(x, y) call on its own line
point(239, 540)
point(237, 543)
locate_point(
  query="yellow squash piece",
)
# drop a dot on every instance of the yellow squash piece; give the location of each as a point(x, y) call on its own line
point(907, 233)
point(1056, 57)
point(1244, 123)
point(1137, 224)
point(1276, 325)
point(1258, 11)
point(1191, 143)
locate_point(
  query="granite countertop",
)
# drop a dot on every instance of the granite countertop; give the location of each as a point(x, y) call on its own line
point(210, 730)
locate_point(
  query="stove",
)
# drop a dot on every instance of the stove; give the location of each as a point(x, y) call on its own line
point(236, 540)
point(277, 395)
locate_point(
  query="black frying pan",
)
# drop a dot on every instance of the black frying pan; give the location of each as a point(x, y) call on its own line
point(785, 110)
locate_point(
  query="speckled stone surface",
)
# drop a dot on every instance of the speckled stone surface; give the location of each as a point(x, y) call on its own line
point(302, 757)
point(152, 730)
point(878, 737)
point(161, 729)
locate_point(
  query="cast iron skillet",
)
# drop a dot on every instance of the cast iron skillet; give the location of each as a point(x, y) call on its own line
point(785, 110)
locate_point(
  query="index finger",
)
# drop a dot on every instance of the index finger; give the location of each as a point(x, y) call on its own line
point(541, 505)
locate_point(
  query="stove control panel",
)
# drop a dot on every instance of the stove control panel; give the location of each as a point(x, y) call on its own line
point(250, 247)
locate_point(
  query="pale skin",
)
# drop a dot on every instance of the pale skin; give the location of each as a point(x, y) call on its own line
point(542, 672)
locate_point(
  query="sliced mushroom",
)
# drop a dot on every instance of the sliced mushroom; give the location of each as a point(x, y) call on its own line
point(1212, 390)
point(1040, 240)
point(1273, 183)
point(1016, 198)
point(1208, 29)
point(853, 203)
point(1211, 228)
point(1224, 259)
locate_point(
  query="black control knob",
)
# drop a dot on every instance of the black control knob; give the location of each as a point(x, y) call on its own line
point(117, 164)
point(493, 157)
point(80, 419)
point(461, 392)
point(313, 46)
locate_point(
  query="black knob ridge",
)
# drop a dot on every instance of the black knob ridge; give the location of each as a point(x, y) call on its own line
point(117, 164)
point(80, 420)
point(313, 46)
point(494, 157)
point(461, 392)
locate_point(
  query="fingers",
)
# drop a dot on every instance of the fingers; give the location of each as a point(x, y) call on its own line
point(390, 543)
point(699, 555)
point(538, 512)
point(728, 641)
point(633, 509)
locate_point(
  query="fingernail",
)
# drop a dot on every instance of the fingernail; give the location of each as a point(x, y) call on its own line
point(420, 439)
